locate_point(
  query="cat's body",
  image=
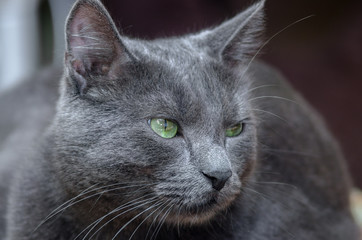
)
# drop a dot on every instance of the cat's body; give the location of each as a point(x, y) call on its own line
point(282, 176)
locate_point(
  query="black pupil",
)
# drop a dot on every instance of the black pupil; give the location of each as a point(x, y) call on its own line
point(165, 124)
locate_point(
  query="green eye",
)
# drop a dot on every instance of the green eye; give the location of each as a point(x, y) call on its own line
point(163, 127)
point(234, 130)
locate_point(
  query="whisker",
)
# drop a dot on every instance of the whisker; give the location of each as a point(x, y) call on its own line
point(267, 148)
point(273, 97)
point(266, 197)
point(96, 201)
point(124, 226)
point(178, 220)
point(257, 193)
point(290, 152)
point(144, 202)
point(253, 210)
point(274, 183)
point(258, 87)
point(161, 222)
point(129, 203)
point(95, 194)
point(154, 219)
point(59, 207)
point(264, 172)
point(72, 201)
point(86, 191)
point(273, 114)
point(269, 40)
point(139, 225)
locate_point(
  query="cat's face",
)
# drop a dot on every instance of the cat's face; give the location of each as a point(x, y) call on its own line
point(165, 125)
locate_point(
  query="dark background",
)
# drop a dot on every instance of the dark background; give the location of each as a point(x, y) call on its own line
point(321, 56)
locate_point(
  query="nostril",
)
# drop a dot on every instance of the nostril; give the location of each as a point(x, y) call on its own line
point(218, 178)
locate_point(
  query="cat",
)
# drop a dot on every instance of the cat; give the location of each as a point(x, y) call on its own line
point(187, 137)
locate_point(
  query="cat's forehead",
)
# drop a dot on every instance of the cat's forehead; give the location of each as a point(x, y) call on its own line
point(182, 64)
point(174, 52)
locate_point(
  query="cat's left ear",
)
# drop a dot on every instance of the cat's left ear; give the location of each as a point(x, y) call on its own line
point(94, 49)
point(238, 39)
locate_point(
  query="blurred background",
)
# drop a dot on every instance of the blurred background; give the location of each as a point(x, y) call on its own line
point(321, 56)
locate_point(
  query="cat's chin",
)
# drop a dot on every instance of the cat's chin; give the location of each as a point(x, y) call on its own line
point(199, 213)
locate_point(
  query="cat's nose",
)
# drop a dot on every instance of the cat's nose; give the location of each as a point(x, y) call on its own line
point(218, 178)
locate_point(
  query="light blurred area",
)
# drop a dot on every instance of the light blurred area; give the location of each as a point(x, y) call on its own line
point(19, 40)
point(31, 37)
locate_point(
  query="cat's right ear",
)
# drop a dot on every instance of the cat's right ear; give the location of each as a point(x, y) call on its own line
point(94, 49)
point(237, 40)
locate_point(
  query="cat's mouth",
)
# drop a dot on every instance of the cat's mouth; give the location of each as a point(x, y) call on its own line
point(202, 208)
point(200, 212)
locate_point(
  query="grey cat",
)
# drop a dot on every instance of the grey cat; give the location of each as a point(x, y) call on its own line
point(178, 138)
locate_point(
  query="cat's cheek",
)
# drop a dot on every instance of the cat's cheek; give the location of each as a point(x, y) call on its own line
point(243, 160)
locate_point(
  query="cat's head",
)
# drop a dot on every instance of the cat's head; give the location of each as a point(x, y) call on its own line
point(166, 122)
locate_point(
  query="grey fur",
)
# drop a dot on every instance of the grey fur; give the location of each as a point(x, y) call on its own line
point(288, 177)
